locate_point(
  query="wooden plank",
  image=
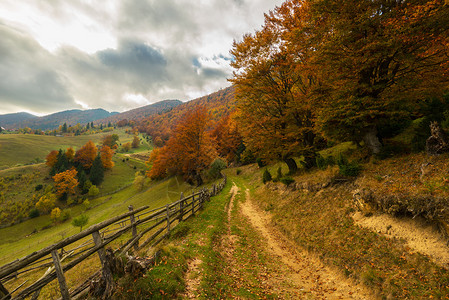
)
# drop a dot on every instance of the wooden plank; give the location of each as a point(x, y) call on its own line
point(106, 270)
point(17, 264)
point(134, 227)
point(168, 219)
point(60, 274)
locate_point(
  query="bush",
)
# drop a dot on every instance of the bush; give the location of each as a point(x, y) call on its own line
point(65, 215)
point(321, 162)
point(266, 176)
point(93, 191)
point(278, 175)
point(392, 148)
point(34, 213)
point(287, 180)
point(260, 162)
point(215, 168)
point(38, 187)
point(238, 172)
point(348, 168)
point(247, 157)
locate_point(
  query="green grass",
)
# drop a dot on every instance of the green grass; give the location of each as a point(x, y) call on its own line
point(17, 241)
point(20, 149)
point(321, 223)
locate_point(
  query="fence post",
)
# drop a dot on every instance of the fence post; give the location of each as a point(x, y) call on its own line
point(168, 219)
point(61, 279)
point(134, 228)
point(181, 208)
point(193, 204)
point(4, 294)
point(107, 274)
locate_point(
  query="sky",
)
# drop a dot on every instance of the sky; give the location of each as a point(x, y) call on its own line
point(117, 54)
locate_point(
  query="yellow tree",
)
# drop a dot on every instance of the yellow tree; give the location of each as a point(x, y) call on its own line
point(65, 182)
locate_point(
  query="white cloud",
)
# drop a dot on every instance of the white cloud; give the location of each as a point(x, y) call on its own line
point(118, 54)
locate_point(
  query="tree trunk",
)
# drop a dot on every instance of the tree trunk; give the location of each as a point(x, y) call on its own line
point(372, 141)
point(292, 166)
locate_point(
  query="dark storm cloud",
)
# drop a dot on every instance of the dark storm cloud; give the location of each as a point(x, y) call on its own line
point(134, 57)
point(28, 79)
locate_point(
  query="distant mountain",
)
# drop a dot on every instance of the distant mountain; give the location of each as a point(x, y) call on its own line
point(9, 120)
point(141, 112)
point(48, 122)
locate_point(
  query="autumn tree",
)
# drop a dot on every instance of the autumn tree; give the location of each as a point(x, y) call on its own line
point(273, 89)
point(126, 146)
point(65, 182)
point(46, 203)
point(51, 158)
point(189, 150)
point(378, 59)
point(70, 154)
point(106, 154)
point(86, 155)
point(136, 142)
point(111, 140)
point(227, 137)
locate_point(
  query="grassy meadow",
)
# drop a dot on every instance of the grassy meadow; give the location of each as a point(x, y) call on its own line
point(21, 149)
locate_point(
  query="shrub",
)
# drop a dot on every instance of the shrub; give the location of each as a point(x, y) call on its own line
point(348, 168)
point(278, 175)
point(260, 162)
point(93, 191)
point(34, 213)
point(392, 148)
point(238, 172)
point(287, 180)
point(247, 157)
point(216, 167)
point(266, 176)
point(65, 215)
point(321, 162)
point(38, 187)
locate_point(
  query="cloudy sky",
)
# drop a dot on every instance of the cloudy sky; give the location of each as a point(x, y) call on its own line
point(117, 54)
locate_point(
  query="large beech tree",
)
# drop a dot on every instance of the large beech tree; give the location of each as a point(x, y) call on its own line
point(377, 58)
point(273, 89)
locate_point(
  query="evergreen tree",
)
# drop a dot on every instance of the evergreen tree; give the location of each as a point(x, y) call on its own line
point(91, 124)
point(64, 128)
point(61, 165)
point(97, 171)
point(109, 124)
point(81, 178)
point(87, 126)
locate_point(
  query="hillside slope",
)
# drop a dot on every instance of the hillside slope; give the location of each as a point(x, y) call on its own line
point(8, 121)
point(141, 112)
point(160, 125)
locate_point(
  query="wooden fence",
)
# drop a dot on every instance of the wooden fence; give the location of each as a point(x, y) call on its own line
point(141, 222)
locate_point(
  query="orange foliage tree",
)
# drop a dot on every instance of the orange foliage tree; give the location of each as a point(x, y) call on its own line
point(189, 150)
point(227, 137)
point(378, 59)
point(274, 90)
point(86, 155)
point(106, 154)
point(136, 142)
point(51, 158)
point(65, 182)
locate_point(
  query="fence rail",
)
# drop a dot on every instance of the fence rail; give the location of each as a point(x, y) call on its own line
point(157, 223)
